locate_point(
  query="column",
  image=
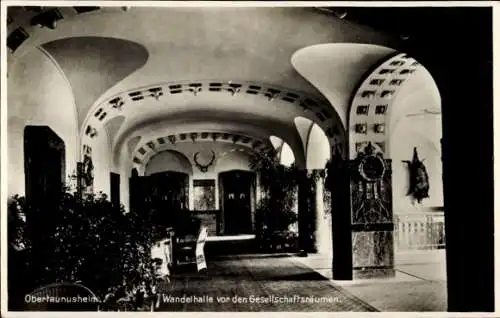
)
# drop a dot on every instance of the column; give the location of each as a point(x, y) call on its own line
point(305, 212)
point(337, 182)
point(115, 189)
point(371, 217)
point(323, 231)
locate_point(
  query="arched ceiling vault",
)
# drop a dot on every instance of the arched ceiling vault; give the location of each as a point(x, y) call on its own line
point(336, 69)
point(398, 87)
point(248, 127)
point(182, 43)
point(115, 58)
point(148, 148)
point(212, 103)
point(102, 62)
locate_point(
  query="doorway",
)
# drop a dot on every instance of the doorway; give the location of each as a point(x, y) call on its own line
point(163, 195)
point(236, 201)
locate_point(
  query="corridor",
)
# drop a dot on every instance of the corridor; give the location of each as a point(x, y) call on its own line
point(257, 282)
point(272, 139)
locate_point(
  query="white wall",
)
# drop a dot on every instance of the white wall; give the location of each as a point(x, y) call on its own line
point(101, 158)
point(125, 168)
point(228, 157)
point(168, 160)
point(423, 132)
point(38, 94)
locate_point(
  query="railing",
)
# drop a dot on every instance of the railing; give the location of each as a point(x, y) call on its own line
point(419, 231)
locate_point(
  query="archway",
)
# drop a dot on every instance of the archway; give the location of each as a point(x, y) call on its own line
point(383, 126)
point(317, 154)
point(39, 94)
point(381, 98)
point(162, 196)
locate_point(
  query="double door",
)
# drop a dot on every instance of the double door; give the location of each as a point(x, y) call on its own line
point(236, 195)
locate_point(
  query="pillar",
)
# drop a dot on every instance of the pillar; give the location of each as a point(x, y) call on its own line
point(337, 182)
point(306, 212)
point(362, 223)
point(323, 239)
point(467, 108)
point(115, 189)
point(371, 214)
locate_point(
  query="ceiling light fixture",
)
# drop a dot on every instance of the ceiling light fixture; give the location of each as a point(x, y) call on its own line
point(233, 90)
point(117, 103)
point(272, 96)
point(193, 136)
point(195, 90)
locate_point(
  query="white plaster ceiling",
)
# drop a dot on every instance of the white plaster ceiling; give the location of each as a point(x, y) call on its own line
point(418, 96)
point(337, 70)
point(205, 150)
point(108, 52)
point(93, 65)
point(186, 44)
point(251, 126)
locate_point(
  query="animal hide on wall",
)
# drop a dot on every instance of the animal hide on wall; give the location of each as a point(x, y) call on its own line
point(419, 179)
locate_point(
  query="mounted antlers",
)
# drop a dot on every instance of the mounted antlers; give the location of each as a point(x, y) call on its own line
point(203, 168)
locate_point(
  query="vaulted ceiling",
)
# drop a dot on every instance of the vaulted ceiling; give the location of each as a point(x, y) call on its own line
point(151, 72)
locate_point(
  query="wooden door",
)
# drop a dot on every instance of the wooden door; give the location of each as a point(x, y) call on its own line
point(237, 187)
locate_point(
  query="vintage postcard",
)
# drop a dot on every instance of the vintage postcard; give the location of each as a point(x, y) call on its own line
point(247, 157)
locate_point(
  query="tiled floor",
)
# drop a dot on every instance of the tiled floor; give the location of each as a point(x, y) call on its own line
point(236, 283)
point(419, 285)
point(257, 283)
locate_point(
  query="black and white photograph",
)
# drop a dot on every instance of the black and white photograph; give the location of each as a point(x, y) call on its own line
point(247, 157)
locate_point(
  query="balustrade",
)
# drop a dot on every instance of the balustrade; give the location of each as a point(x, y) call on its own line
point(419, 231)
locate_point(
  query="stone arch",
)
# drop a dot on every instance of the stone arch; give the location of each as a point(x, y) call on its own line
point(277, 142)
point(316, 143)
point(303, 126)
point(156, 95)
point(168, 160)
point(397, 88)
point(285, 153)
point(377, 100)
point(39, 94)
point(142, 152)
point(335, 69)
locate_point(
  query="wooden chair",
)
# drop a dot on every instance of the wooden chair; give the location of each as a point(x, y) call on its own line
point(189, 249)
